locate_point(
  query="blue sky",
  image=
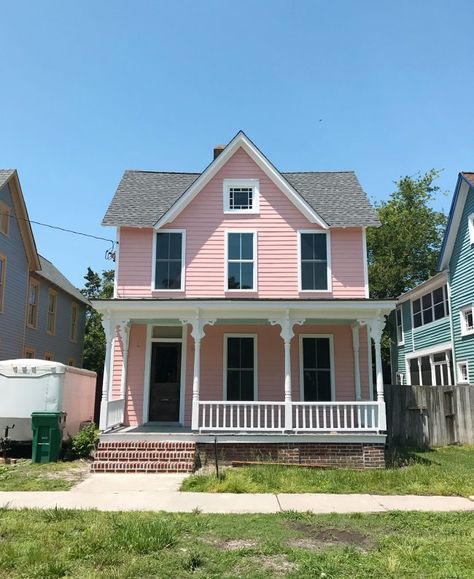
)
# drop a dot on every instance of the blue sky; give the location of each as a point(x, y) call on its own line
point(89, 89)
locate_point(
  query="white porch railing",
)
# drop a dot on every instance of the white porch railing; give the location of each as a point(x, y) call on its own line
point(218, 416)
point(335, 416)
point(242, 416)
point(115, 413)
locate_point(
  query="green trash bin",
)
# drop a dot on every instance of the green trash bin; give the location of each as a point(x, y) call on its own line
point(47, 435)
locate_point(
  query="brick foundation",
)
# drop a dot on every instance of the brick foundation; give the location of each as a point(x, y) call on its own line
point(352, 455)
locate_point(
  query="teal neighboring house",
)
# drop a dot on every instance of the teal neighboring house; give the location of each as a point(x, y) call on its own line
point(433, 342)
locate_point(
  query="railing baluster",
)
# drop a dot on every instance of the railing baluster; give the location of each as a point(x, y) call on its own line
point(358, 417)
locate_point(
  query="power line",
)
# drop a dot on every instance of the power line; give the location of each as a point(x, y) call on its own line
point(110, 252)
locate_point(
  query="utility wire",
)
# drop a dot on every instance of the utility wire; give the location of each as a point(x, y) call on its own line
point(63, 229)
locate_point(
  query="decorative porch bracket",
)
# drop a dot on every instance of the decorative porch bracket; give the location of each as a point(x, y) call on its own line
point(197, 332)
point(286, 323)
point(376, 326)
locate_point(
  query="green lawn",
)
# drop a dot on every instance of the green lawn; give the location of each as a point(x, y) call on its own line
point(59, 543)
point(443, 471)
point(28, 476)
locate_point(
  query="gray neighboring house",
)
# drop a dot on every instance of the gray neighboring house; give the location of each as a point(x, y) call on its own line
point(42, 315)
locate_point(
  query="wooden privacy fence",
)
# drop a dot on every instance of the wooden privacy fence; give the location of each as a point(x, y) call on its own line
point(424, 416)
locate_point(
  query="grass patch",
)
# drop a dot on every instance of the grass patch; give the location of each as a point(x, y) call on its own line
point(29, 476)
point(94, 544)
point(443, 471)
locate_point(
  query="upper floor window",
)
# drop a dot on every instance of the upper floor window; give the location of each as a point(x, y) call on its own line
point(33, 301)
point(169, 260)
point(51, 315)
point(241, 195)
point(463, 372)
point(314, 263)
point(49, 356)
point(3, 273)
point(4, 218)
point(471, 228)
point(467, 320)
point(430, 307)
point(74, 316)
point(399, 320)
point(29, 352)
point(241, 261)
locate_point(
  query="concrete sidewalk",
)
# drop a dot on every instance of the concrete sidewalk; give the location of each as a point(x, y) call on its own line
point(135, 492)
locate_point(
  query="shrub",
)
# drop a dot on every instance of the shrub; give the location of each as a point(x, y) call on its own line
point(85, 441)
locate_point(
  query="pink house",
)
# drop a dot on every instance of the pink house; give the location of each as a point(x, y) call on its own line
point(241, 312)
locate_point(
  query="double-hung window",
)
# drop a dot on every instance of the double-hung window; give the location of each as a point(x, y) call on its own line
point(4, 218)
point(74, 319)
point(467, 320)
point(51, 316)
point(241, 261)
point(314, 270)
point(169, 260)
point(240, 373)
point(316, 368)
point(399, 320)
point(33, 299)
point(463, 372)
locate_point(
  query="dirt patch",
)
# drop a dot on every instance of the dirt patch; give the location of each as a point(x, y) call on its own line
point(275, 565)
point(75, 474)
point(232, 544)
point(317, 539)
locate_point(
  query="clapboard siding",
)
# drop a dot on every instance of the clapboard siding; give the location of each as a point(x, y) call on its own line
point(277, 226)
point(462, 285)
point(58, 344)
point(437, 332)
point(12, 319)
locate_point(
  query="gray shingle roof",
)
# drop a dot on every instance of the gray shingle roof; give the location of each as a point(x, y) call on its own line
point(5, 174)
point(53, 275)
point(143, 197)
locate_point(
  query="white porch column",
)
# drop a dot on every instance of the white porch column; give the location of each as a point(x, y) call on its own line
point(124, 331)
point(376, 326)
point(356, 349)
point(197, 332)
point(286, 324)
point(109, 330)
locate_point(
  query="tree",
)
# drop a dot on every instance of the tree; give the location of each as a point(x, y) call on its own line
point(403, 252)
point(96, 287)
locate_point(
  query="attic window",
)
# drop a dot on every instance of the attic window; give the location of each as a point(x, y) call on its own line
point(471, 228)
point(241, 195)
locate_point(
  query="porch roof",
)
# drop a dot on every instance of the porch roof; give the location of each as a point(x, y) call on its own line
point(223, 308)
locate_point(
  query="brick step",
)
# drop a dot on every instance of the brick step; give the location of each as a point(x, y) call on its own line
point(146, 455)
point(138, 466)
point(147, 445)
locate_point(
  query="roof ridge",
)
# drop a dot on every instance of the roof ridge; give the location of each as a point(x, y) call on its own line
point(317, 172)
point(162, 172)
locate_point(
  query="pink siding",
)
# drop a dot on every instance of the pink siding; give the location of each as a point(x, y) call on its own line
point(135, 375)
point(277, 262)
point(270, 364)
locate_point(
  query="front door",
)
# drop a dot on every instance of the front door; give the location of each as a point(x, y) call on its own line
point(165, 382)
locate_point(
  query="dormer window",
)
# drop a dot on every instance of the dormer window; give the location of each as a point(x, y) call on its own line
point(241, 196)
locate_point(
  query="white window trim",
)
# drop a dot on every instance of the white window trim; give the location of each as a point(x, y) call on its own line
point(226, 257)
point(183, 261)
point(461, 380)
point(254, 183)
point(329, 268)
point(331, 356)
point(446, 349)
point(470, 221)
point(402, 341)
point(255, 367)
point(420, 297)
point(464, 330)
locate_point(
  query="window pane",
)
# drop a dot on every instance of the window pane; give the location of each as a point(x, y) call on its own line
point(324, 385)
point(427, 316)
point(417, 320)
point(161, 281)
point(234, 276)
point(233, 385)
point(310, 389)
point(162, 245)
point(306, 246)
point(309, 353)
point(416, 306)
point(233, 353)
point(426, 371)
point(246, 385)
point(399, 317)
point(426, 300)
point(307, 275)
point(438, 295)
point(175, 244)
point(320, 276)
point(323, 357)
point(414, 374)
point(246, 352)
point(234, 245)
point(174, 275)
point(247, 276)
point(439, 311)
point(247, 245)
point(319, 245)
